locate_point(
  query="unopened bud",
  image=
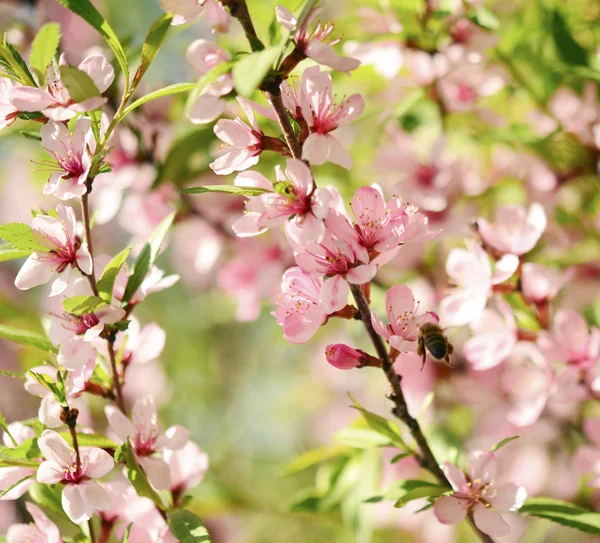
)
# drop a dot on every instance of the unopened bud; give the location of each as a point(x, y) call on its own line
point(345, 358)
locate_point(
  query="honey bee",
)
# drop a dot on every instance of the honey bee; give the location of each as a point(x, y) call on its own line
point(433, 341)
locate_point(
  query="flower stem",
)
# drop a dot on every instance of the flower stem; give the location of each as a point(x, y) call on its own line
point(92, 532)
point(85, 213)
point(115, 376)
point(274, 96)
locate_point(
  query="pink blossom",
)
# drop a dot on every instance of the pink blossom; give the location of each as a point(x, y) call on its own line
point(477, 492)
point(315, 101)
point(154, 281)
point(405, 320)
point(386, 56)
point(8, 112)
point(215, 15)
point(471, 272)
point(578, 115)
point(89, 326)
point(540, 284)
point(343, 357)
point(81, 496)
point(144, 344)
point(205, 55)
point(515, 231)
point(314, 45)
point(55, 102)
point(10, 476)
point(293, 195)
point(126, 505)
point(66, 252)
point(243, 143)
point(187, 466)
point(72, 153)
point(587, 457)
point(147, 438)
point(43, 530)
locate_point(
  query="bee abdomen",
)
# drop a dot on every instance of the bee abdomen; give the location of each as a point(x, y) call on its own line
point(437, 346)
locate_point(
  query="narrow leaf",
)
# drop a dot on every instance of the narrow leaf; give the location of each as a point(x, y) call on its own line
point(81, 305)
point(177, 88)
point(106, 282)
point(154, 40)
point(90, 440)
point(80, 85)
point(312, 458)
point(505, 441)
point(48, 496)
point(250, 72)
point(21, 236)
point(565, 513)
point(17, 64)
point(25, 337)
point(226, 189)
point(7, 490)
point(187, 527)
point(43, 49)
point(568, 49)
point(204, 81)
point(9, 253)
point(382, 426)
point(362, 438)
point(4, 426)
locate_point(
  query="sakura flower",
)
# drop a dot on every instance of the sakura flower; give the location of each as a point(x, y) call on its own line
point(316, 102)
point(471, 272)
point(10, 476)
point(88, 326)
point(296, 199)
point(186, 11)
point(43, 530)
point(55, 102)
point(578, 115)
point(81, 495)
point(587, 457)
point(243, 143)
point(540, 284)
point(65, 252)
point(187, 467)
point(8, 112)
point(154, 281)
point(515, 231)
point(144, 344)
point(477, 492)
point(126, 504)
point(72, 153)
point(314, 45)
point(205, 55)
point(147, 438)
point(405, 321)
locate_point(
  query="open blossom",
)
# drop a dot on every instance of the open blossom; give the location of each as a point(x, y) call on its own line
point(8, 112)
point(297, 198)
point(187, 466)
point(81, 495)
point(540, 284)
point(55, 102)
point(215, 15)
point(43, 530)
point(405, 319)
point(315, 101)
point(515, 230)
point(470, 270)
point(205, 55)
point(89, 326)
point(72, 153)
point(66, 252)
point(477, 492)
point(314, 44)
point(10, 476)
point(147, 438)
point(154, 281)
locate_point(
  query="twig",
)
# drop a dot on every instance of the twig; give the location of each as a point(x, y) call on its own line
point(239, 10)
point(85, 212)
point(274, 96)
point(115, 376)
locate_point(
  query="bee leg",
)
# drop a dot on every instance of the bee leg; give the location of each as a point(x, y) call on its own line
point(421, 351)
point(450, 348)
point(447, 360)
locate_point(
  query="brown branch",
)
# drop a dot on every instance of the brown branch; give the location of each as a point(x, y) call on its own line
point(239, 10)
point(274, 96)
point(115, 376)
point(85, 212)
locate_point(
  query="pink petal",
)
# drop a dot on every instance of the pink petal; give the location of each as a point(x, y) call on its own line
point(33, 273)
point(505, 267)
point(591, 428)
point(334, 294)
point(247, 225)
point(174, 438)
point(316, 149)
point(50, 473)
point(455, 476)
point(157, 471)
point(100, 70)
point(285, 18)
point(299, 175)
point(449, 509)
point(338, 154)
point(44, 524)
point(20, 533)
point(109, 314)
point(119, 423)
point(362, 274)
point(55, 448)
point(482, 465)
point(11, 476)
point(94, 495)
point(75, 506)
point(206, 109)
point(99, 462)
point(509, 497)
point(490, 522)
point(31, 99)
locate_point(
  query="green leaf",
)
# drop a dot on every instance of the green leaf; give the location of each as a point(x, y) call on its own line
point(25, 337)
point(226, 189)
point(4, 426)
point(35, 136)
point(57, 388)
point(21, 236)
point(80, 85)
point(90, 440)
point(399, 457)
point(312, 458)
point(177, 88)
point(81, 305)
point(106, 282)
point(8, 253)
point(146, 258)
point(485, 18)
point(154, 40)
point(565, 513)
point(505, 441)
point(6, 491)
point(382, 426)
point(90, 14)
point(125, 538)
point(361, 438)
point(568, 49)
point(250, 72)
point(207, 79)
point(136, 475)
point(187, 527)
point(48, 496)
point(43, 49)
point(403, 492)
point(17, 65)
point(28, 450)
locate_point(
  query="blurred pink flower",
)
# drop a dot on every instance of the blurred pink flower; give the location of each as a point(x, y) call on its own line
point(42, 530)
point(186, 11)
point(587, 457)
point(477, 492)
point(540, 284)
point(465, 84)
point(578, 115)
point(187, 466)
point(10, 476)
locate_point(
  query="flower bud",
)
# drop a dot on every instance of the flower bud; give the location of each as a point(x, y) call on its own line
point(345, 358)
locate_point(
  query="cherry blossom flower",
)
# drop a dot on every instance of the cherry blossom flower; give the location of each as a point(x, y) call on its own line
point(471, 272)
point(477, 492)
point(215, 15)
point(292, 196)
point(66, 252)
point(205, 55)
point(316, 102)
point(587, 457)
point(43, 530)
point(405, 321)
point(144, 344)
point(81, 495)
point(540, 284)
point(314, 45)
point(344, 357)
point(187, 467)
point(55, 102)
point(10, 476)
point(243, 143)
point(89, 326)
point(154, 281)
point(578, 115)
point(8, 112)
point(72, 153)
point(147, 438)
point(126, 504)
point(515, 230)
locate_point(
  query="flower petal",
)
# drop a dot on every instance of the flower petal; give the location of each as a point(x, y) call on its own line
point(450, 510)
point(490, 522)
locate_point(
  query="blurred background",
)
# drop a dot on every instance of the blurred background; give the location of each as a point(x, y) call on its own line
point(513, 119)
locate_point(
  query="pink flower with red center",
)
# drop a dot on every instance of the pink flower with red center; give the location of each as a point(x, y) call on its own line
point(476, 492)
point(10, 487)
point(8, 112)
point(42, 530)
point(55, 102)
point(293, 195)
point(315, 101)
point(243, 144)
point(215, 15)
point(65, 252)
point(89, 326)
point(405, 319)
point(81, 495)
point(315, 44)
point(515, 231)
point(147, 438)
point(187, 467)
point(72, 153)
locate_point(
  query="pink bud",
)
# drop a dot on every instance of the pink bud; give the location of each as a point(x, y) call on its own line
point(345, 358)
